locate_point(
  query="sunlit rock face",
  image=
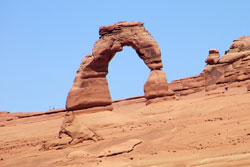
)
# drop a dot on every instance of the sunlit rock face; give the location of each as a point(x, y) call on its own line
point(231, 70)
point(90, 88)
point(213, 56)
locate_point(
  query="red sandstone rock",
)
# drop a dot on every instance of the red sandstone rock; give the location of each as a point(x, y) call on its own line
point(175, 85)
point(90, 88)
point(193, 126)
point(233, 67)
point(213, 56)
point(248, 88)
point(193, 82)
point(156, 85)
point(232, 57)
point(76, 130)
point(188, 85)
point(92, 92)
point(194, 119)
point(241, 44)
point(4, 112)
point(124, 147)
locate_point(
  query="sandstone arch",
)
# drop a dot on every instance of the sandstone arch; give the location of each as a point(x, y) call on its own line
point(90, 88)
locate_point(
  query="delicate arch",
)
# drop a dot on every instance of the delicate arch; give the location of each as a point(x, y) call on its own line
point(90, 88)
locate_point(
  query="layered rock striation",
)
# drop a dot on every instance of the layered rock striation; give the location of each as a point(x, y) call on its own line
point(213, 57)
point(232, 69)
point(90, 91)
point(90, 88)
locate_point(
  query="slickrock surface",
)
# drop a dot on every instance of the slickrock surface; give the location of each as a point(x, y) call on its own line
point(124, 147)
point(205, 124)
point(201, 131)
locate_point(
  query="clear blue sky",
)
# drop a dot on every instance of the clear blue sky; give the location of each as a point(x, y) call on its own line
point(42, 43)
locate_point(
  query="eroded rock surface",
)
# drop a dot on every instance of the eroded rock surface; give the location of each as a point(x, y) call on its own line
point(124, 147)
point(90, 88)
point(201, 131)
point(213, 56)
point(156, 86)
point(231, 70)
point(248, 88)
point(76, 130)
point(78, 154)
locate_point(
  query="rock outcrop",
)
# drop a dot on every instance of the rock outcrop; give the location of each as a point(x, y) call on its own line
point(90, 88)
point(213, 56)
point(232, 69)
point(77, 131)
point(156, 86)
point(90, 91)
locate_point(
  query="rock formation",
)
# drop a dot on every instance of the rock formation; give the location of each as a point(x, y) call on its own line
point(156, 87)
point(231, 70)
point(138, 135)
point(90, 88)
point(213, 56)
point(76, 130)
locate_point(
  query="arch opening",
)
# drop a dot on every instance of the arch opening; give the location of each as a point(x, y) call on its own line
point(127, 74)
point(90, 88)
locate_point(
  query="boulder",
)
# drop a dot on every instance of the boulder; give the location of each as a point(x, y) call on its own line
point(213, 57)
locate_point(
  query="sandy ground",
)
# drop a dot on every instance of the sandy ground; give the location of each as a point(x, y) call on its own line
point(193, 131)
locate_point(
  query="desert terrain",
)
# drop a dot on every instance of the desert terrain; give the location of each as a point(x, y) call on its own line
point(198, 121)
point(196, 130)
